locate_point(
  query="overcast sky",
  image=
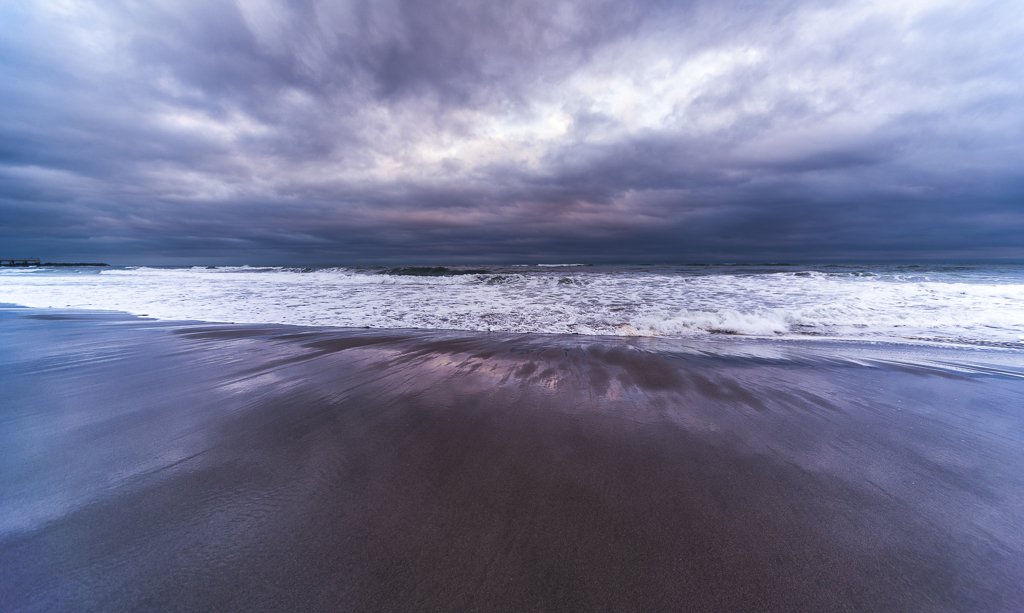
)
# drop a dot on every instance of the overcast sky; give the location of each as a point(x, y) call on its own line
point(344, 131)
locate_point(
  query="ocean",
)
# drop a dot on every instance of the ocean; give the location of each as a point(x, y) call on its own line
point(961, 303)
point(556, 437)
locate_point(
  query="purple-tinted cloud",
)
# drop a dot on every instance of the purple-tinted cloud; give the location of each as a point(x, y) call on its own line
point(331, 132)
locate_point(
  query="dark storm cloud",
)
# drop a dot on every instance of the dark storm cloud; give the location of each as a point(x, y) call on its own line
point(316, 131)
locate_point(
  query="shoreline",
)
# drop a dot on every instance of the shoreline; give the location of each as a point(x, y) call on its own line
point(188, 465)
point(710, 338)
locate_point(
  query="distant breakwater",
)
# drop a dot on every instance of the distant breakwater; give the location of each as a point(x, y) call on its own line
point(26, 262)
point(74, 264)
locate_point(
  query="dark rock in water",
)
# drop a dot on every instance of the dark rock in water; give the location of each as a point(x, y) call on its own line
point(74, 264)
point(432, 271)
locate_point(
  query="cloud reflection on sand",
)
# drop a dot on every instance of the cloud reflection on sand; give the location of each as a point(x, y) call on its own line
point(241, 467)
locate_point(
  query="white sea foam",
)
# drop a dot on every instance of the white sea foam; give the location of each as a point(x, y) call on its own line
point(970, 305)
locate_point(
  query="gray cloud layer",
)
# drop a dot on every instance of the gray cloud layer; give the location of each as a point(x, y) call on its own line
point(343, 131)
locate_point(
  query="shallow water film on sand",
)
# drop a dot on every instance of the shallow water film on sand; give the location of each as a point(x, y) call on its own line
point(947, 303)
point(169, 466)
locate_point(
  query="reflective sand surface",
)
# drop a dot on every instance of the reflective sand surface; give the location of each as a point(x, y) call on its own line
point(173, 466)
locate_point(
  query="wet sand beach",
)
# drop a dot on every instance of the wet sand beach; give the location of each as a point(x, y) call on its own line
point(176, 466)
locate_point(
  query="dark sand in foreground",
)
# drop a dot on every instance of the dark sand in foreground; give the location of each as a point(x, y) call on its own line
point(166, 466)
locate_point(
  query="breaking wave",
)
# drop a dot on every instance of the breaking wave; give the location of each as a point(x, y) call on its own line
point(979, 304)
